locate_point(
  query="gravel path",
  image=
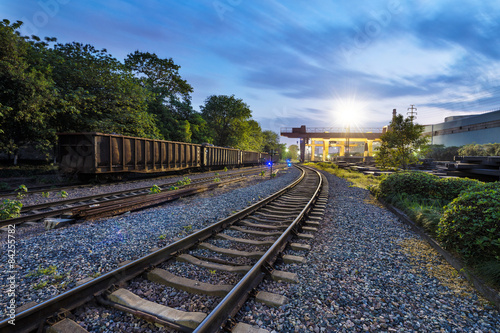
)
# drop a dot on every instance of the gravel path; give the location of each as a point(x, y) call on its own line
point(367, 272)
point(51, 262)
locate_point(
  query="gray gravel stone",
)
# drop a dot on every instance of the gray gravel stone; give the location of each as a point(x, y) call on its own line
point(362, 274)
point(51, 262)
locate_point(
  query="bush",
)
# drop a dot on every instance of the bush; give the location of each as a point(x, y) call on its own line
point(417, 183)
point(470, 225)
point(450, 188)
point(10, 209)
point(424, 185)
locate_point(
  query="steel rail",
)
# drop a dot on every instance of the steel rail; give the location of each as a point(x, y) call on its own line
point(233, 301)
point(34, 317)
point(60, 211)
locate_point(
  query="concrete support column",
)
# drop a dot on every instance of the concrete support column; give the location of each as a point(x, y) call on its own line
point(313, 150)
point(303, 142)
point(342, 150)
point(326, 145)
point(370, 147)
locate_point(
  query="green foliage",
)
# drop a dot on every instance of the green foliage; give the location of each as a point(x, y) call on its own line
point(21, 191)
point(262, 173)
point(450, 188)
point(273, 175)
point(63, 194)
point(356, 178)
point(251, 136)
point(45, 194)
point(98, 93)
point(10, 209)
point(216, 173)
point(424, 185)
point(227, 118)
point(489, 149)
point(216, 180)
point(400, 144)
point(440, 152)
point(183, 182)
point(225, 169)
point(26, 93)
point(173, 188)
point(40, 285)
point(51, 270)
point(163, 236)
point(154, 189)
point(470, 225)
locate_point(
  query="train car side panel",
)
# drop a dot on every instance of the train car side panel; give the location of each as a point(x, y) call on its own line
point(95, 153)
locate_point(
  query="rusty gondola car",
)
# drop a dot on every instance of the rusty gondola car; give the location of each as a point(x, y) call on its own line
point(112, 155)
point(98, 153)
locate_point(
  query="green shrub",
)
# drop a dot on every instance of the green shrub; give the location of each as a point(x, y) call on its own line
point(470, 225)
point(414, 183)
point(450, 188)
point(10, 209)
point(155, 189)
point(425, 185)
point(184, 181)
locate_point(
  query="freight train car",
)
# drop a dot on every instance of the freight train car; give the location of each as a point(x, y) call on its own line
point(250, 157)
point(98, 153)
point(214, 157)
point(112, 155)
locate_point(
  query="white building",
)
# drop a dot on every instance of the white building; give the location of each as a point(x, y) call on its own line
point(462, 130)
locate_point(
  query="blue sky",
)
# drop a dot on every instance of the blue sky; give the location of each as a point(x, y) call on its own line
point(316, 63)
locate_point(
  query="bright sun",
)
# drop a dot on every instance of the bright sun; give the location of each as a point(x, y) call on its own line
point(349, 111)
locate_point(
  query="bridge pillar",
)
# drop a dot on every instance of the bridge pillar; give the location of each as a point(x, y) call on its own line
point(326, 145)
point(370, 147)
point(303, 142)
point(342, 150)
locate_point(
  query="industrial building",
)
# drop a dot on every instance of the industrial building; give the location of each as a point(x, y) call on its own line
point(467, 129)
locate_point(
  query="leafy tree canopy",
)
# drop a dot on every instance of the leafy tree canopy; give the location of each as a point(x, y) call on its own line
point(226, 117)
point(25, 93)
point(400, 143)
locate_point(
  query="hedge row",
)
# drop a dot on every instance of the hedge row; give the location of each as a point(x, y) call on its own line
point(470, 223)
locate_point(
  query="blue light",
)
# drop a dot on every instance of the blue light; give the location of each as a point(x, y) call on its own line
point(269, 163)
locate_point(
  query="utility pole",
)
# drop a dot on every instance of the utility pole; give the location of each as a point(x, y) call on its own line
point(413, 109)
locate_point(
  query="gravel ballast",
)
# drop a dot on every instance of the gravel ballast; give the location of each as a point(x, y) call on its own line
point(52, 261)
point(366, 271)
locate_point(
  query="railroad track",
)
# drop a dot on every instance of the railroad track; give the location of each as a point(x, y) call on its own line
point(245, 245)
point(107, 204)
point(53, 188)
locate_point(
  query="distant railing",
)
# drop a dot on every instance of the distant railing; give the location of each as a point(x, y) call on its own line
point(329, 130)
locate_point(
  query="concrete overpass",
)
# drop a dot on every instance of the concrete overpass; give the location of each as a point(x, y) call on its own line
point(326, 137)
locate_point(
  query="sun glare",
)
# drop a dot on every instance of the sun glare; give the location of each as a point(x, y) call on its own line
point(349, 111)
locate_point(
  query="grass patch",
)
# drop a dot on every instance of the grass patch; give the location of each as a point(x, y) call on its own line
point(356, 178)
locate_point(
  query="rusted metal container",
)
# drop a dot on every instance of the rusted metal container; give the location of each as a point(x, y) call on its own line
point(250, 157)
point(97, 153)
point(218, 156)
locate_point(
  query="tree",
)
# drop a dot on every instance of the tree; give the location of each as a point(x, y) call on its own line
point(270, 141)
point(98, 93)
point(252, 136)
point(25, 93)
point(293, 153)
point(226, 117)
point(400, 143)
point(170, 98)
